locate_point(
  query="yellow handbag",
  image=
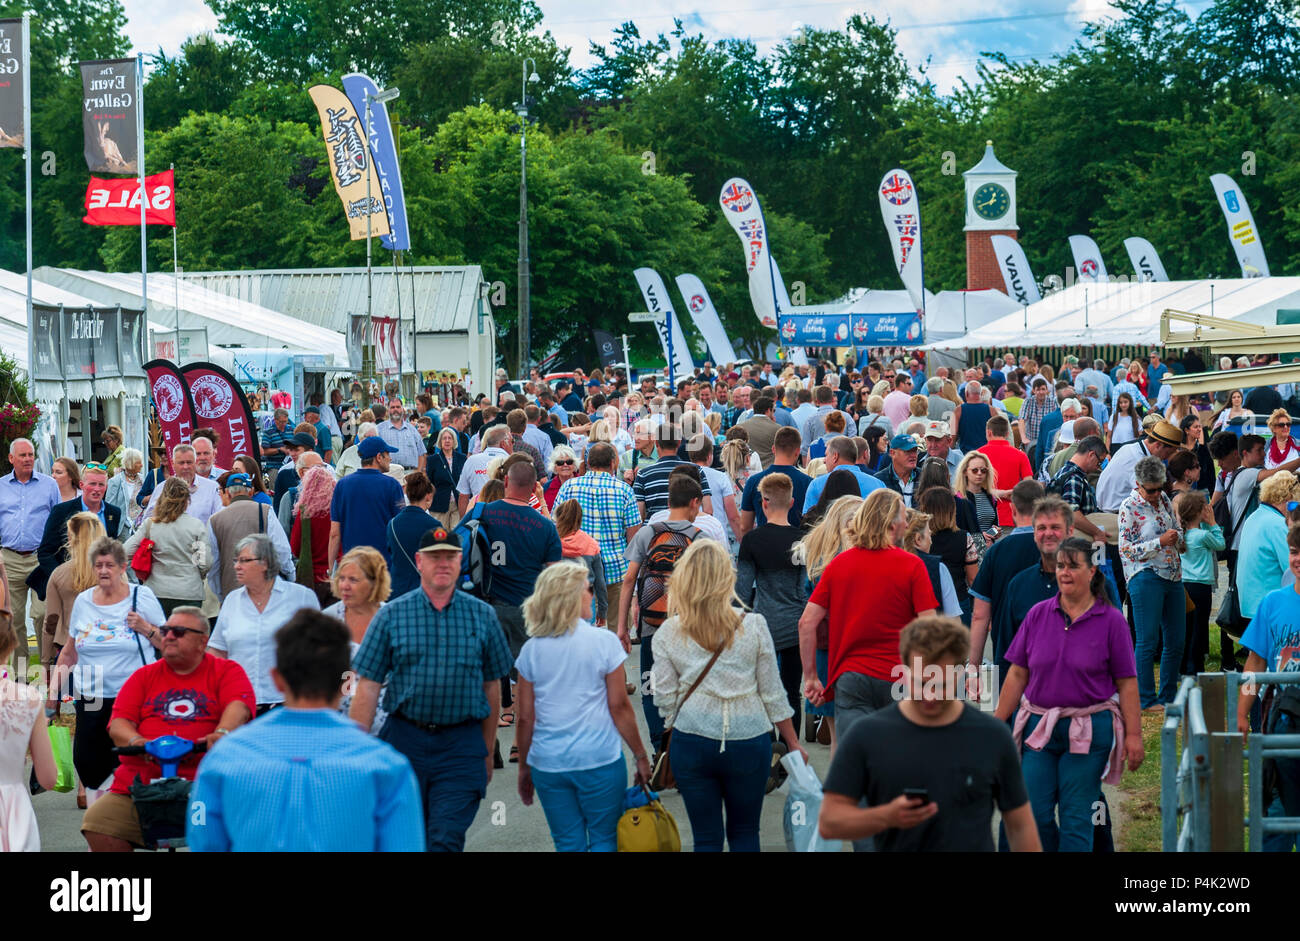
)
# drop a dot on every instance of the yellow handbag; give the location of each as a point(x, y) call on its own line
point(649, 828)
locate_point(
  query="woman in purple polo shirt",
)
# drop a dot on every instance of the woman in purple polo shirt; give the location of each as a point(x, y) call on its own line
point(1072, 688)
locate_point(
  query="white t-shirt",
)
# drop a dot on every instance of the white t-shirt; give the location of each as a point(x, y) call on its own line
point(574, 730)
point(720, 488)
point(474, 473)
point(709, 527)
point(107, 652)
point(1242, 483)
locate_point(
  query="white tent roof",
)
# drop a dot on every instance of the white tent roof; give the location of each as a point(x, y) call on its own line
point(229, 321)
point(1128, 314)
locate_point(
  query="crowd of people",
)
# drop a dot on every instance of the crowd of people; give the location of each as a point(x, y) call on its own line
point(796, 552)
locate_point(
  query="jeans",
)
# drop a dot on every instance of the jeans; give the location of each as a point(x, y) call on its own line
point(582, 807)
point(1287, 803)
point(1055, 777)
point(1160, 615)
point(451, 773)
point(709, 779)
point(653, 720)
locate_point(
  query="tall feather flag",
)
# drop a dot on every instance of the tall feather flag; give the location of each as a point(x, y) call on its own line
point(1241, 227)
point(900, 207)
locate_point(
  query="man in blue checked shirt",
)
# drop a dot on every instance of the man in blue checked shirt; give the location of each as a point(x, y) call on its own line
point(443, 654)
point(305, 778)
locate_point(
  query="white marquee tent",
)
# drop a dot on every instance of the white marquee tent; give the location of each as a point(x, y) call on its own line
point(1126, 314)
point(228, 320)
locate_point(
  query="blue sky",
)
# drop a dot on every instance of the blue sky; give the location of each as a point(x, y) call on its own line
point(950, 33)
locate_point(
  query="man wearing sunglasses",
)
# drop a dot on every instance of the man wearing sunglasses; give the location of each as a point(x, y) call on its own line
point(189, 693)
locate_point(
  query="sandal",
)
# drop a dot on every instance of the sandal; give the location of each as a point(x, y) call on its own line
point(514, 754)
point(507, 719)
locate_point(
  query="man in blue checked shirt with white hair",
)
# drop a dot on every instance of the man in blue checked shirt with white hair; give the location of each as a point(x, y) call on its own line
point(304, 778)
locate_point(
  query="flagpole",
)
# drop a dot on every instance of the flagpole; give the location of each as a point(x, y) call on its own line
point(27, 164)
point(139, 151)
point(176, 271)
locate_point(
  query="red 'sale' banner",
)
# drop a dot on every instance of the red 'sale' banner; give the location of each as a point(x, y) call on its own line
point(117, 201)
point(172, 403)
point(220, 404)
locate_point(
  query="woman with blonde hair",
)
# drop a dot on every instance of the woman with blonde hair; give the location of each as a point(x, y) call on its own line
point(976, 481)
point(713, 421)
point(563, 467)
point(362, 585)
point(716, 683)
point(573, 707)
point(309, 539)
point(815, 551)
point(68, 581)
point(1281, 447)
point(181, 553)
point(738, 460)
point(918, 407)
point(1180, 406)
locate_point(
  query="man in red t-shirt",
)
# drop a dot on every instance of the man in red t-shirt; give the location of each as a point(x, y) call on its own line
point(1010, 465)
point(189, 693)
point(869, 593)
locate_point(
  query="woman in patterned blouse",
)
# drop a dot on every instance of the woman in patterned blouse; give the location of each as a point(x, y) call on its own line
point(1150, 540)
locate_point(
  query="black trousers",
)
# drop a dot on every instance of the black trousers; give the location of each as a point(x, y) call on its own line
point(92, 749)
point(1197, 642)
point(791, 669)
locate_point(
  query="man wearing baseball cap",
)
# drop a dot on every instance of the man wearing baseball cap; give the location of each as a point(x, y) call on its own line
point(901, 473)
point(324, 445)
point(365, 502)
point(938, 447)
point(287, 476)
point(443, 655)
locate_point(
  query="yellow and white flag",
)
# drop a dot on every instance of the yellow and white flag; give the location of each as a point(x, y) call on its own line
point(350, 161)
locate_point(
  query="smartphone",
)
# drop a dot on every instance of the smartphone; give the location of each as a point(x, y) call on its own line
point(995, 531)
point(922, 792)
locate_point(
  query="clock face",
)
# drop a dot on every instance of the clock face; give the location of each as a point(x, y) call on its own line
point(991, 201)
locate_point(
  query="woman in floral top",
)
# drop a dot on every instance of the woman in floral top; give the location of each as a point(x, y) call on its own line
point(1150, 540)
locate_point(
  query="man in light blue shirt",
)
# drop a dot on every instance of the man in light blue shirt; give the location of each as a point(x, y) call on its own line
point(841, 452)
point(26, 498)
point(304, 778)
point(404, 438)
point(1096, 376)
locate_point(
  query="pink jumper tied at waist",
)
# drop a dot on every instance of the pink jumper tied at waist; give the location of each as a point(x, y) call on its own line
point(1080, 731)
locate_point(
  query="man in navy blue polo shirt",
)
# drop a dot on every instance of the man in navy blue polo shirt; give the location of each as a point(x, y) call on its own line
point(785, 460)
point(364, 502)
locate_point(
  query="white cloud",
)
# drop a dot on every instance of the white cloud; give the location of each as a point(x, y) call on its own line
point(165, 24)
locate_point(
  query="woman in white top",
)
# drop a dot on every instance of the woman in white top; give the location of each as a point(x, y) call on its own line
point(112, 632)
point(22, 727)
point(362, 585)
point(181, 553)
point(1124, 423)
point(1234, 409)
point(572, 708)
point(253, 612)
point(125, 485)
point(721, 746)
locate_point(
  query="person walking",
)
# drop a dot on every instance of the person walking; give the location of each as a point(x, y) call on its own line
point(572, 708)
point(125, 484)
point(443, 654)
point(253, 612)
point(403, 439)
point(563, 467)
point(362, 585)
point(365, 502)
point(112, 631)
point(770, 583)
point(228, 527)
point(1072, 691)
point(1150, 540)
point(23, 730)
point(583, 549)
point(718, 689)
point(863, 640)
point(407, 528)
point(310, 537)
point(69, 580)
point(26, 499)
point(204, 496)
point(443, 465)
point(181, 556)
point(348, 791)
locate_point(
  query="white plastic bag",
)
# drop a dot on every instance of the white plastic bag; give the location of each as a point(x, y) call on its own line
point(803, 803)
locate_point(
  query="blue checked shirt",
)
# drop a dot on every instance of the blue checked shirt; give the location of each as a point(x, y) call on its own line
point(305, 780)
point(608, 510)
point(436, 662)
point(275, 438)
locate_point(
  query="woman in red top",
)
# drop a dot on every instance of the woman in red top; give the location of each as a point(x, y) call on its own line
point(312, 511)
point(869, 593)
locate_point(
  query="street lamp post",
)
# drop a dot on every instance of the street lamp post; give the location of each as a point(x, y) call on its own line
point(521, 109)
point(388, 94)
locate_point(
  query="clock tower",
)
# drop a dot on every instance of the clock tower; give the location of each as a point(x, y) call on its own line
point(990, 210)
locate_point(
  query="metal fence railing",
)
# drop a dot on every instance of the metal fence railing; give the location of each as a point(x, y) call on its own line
point(1202, 788)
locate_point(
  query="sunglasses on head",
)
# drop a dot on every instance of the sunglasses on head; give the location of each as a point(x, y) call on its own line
point(95, 466)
